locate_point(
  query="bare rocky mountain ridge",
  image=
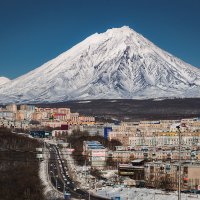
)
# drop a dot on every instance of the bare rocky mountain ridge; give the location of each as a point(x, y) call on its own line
point(117, 64)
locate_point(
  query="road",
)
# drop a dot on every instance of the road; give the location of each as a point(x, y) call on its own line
point(59, 177)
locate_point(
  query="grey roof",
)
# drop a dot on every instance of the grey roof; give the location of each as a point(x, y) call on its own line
point(137, 160)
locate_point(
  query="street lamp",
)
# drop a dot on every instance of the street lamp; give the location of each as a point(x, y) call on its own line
point(179, 164)
point(55, 178)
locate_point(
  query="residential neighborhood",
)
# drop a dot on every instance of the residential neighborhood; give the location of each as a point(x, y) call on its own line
point(147, 153)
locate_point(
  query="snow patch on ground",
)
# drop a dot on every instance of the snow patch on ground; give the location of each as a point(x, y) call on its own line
point(83, 101)
point(143, 194)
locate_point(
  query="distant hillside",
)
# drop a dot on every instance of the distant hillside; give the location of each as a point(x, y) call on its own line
point(19, 168)
point(4, 80)
point(128, 110)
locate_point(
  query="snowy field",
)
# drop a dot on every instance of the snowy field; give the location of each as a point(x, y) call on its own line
point(143, 194)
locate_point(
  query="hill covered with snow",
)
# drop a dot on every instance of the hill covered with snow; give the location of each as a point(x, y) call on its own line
point(117, 64)
point(3, 80)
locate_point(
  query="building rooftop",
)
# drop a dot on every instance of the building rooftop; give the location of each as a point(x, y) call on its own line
point(137, 161)
point(94, 146)
point(92, 142)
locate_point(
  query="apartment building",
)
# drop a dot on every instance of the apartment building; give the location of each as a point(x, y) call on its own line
point(120, 136)
point(86, 119)
point(4, 114)
point(11, 108)
point(96, 153)
point(74, 118)
point(158, 173)
point(170, 138)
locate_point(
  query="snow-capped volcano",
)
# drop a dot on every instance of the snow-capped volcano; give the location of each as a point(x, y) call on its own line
point(3, 80)
point(119, 63)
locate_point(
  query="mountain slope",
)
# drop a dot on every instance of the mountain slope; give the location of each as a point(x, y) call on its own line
point(119, 63)
point(3, 80)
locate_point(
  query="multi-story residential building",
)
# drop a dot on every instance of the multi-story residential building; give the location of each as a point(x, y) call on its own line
point(37, 116)
point(125, 154)
point(92, 129)
point(53, 124)
point(20, 115)
point(74, 118)
point(26, 107)
point(57, 133)
point(62, 114)
point(4, 114)
point(169, 138)
point(24, 115)
point(55, 113)
point(135, 169)
point(86, 120)
point(14, 124)
point(159, 173)
point(96, 153)
point(11, 108)
point(120, 136)
point(122, 156)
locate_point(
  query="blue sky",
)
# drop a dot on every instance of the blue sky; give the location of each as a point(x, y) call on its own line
point(35, 31)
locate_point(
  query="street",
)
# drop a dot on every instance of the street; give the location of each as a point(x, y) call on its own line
point(60, 179)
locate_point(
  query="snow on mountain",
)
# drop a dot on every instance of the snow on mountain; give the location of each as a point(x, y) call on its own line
point(119, 63)
point(3, 80)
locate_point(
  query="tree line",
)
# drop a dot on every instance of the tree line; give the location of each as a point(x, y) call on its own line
point(19, 167)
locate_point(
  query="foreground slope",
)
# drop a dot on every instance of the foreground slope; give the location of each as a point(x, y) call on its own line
point(119, 63)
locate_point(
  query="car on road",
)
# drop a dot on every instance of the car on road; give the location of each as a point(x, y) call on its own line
point(58, 186)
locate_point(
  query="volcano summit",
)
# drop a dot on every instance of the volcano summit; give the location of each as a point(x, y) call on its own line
point(117, 64)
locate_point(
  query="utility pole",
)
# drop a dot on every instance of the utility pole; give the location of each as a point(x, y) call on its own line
point(179, 164)
point(64, 189)
point(95, 186)
point(85, 173)
point(56, 183)
point(89, 193)
point(154, 147)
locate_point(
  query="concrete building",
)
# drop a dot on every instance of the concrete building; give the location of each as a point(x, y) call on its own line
point(57, 133)
point(37, 116)
point(122, 156)
point(135, 170)
point(170, 138)
point(96, 153)
point(120, 136)
point(156, 173)
point(74, 118)
point(11, 108)
point(4, 114)
point(26, 107)
point(86, 120)
point(53, 124)
point(92, 129)
point(20, 116)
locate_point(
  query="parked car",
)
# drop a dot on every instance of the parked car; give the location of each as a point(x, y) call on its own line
point(186, 191)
